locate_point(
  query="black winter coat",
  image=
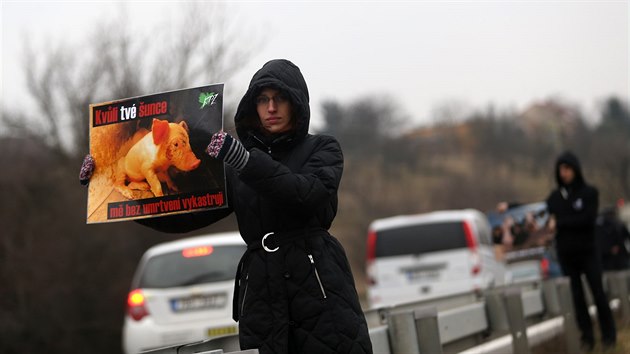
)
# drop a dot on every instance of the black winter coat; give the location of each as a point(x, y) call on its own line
point(301, 298)
point(575, 209)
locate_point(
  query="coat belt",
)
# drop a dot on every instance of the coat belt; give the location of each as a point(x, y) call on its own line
point(270, 242)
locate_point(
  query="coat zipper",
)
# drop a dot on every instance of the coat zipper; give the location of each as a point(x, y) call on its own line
point(321, 287)
point(245, 293)
point(263, 144)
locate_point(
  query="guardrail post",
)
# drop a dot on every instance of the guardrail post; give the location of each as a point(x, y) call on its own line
point(227, 343)
point(516, 319)
point(380, 341)
point(428, 330)
point(571, 333)
point(618, 288)
point(550, 296)
point(402, 332)
point(495, 311)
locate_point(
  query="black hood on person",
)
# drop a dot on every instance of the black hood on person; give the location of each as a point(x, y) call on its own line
point(570, 159)
point(282, 75)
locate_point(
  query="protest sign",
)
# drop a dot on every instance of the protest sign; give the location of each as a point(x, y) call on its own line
point(149, 155)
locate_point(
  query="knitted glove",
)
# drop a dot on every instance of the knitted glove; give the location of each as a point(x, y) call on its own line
point(87, 168)
point(229, 150)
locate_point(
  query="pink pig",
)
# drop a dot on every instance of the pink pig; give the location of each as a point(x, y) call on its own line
point(146, 164)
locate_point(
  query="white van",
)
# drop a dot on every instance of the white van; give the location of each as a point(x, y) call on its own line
point(182, 292)
point(415, 257)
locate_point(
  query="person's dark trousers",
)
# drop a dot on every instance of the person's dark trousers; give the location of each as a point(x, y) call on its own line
point(586, 262)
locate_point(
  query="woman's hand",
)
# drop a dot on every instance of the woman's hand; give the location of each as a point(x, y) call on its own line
point(224, 147)
point(87, 169)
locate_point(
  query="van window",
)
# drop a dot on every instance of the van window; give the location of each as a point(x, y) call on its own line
point(181, 269)
point(418, 239)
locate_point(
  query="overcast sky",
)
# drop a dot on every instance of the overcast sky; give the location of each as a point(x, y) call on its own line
point(423, 54)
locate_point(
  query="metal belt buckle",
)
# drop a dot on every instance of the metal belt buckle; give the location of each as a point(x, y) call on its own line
point(265, 247)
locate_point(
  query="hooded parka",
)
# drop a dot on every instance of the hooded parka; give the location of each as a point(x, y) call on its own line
point(296, 295)
point(574, 205)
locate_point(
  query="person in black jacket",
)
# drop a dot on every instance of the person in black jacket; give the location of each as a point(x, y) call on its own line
point(612, 237)
point(294, 290)
point(573, 207)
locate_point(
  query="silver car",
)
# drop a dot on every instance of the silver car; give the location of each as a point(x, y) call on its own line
point(416, 257)
point(182, 292)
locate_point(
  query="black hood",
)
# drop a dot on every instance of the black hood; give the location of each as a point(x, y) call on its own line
point(570, 159)
point(286, 77)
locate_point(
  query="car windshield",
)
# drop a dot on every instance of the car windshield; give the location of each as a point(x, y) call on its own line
point(418, 239)
point(192, 266)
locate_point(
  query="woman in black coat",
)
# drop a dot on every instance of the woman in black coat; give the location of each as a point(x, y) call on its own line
point(294, 290)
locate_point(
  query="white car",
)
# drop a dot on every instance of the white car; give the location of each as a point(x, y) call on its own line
point(416, 257)
point(182, 292)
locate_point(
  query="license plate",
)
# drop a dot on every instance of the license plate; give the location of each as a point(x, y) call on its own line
point(423, 272)
point(419, 275)
point(199, 302)
point(222, 331)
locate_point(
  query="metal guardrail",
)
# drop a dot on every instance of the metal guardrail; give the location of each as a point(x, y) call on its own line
point(509, 319)
point(210, 346)
point(515, 318)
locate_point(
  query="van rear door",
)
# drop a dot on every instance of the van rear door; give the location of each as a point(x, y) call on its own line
point(421, 260)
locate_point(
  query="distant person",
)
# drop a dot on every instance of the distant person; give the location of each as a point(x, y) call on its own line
point(573, 207)
point(522, 233)
point(612, 237)
point(508, 237)
point(503, 234)
point(503, 207)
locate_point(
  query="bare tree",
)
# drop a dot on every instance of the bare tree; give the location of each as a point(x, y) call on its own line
point(366, 124)
point(611, 147)
point(114, 62)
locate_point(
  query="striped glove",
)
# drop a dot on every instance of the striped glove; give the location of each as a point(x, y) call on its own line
point(224, 147)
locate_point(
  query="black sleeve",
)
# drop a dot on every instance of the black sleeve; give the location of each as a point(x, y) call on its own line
point(317, 181)
point(182, 223)
point(584, 217)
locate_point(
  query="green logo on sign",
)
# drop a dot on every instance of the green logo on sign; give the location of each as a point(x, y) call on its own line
point(207, 99)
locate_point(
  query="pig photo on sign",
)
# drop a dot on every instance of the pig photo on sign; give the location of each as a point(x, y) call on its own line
point(155, 154)
point(152, 157)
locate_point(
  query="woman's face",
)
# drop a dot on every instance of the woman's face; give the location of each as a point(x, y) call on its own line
point(274, 111)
